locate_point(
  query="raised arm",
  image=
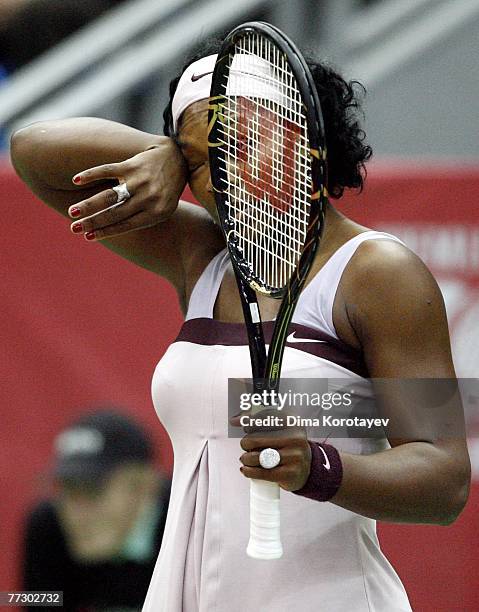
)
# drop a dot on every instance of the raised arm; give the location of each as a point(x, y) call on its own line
point(150, 229)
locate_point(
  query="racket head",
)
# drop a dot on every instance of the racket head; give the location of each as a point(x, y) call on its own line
point(267, 155)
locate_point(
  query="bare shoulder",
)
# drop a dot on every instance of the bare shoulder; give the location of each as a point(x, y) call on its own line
point(383, 267)
point(396, 309)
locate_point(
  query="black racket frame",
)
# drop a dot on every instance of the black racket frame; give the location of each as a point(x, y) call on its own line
point(266, 369)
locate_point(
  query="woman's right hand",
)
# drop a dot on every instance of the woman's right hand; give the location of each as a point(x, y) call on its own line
point(155, 179)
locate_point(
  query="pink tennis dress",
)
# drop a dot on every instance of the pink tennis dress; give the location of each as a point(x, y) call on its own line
point(332, 560)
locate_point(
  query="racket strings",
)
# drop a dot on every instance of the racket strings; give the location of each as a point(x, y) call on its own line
point(287, 174)
point(266, 163)
point(230, 124)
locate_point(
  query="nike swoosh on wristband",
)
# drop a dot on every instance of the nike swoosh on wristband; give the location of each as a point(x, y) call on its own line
point(291, 338)
point(197, 77)
point(327, 465)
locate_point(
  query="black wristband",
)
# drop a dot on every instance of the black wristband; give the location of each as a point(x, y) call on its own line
point(326, 473)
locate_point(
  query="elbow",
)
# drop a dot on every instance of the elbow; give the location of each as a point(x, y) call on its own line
point(19, 137)
point(23, 143)
point(16, 144)
point(27, 136)
point(457, 496)
point(20, 142)
point(457, 507)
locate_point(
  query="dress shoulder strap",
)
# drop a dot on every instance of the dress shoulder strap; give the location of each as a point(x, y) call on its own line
point(203, 296)
point(315, 306)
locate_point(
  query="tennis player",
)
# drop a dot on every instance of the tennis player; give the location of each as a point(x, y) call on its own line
point(371, 305)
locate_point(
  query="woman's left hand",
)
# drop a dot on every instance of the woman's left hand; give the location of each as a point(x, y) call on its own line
point(295, 464)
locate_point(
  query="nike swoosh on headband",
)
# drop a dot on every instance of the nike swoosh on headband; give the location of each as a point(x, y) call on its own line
point(291, 338)
point(197, 77)
point(326, 465)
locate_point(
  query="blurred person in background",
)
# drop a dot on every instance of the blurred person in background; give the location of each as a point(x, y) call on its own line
point(98, 537)
point(30, 27)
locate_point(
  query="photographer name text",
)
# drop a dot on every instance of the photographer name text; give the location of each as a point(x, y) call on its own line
point(325, 420)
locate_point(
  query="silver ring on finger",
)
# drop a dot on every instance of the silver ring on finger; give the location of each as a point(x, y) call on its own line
point(269, 458)
point(122, 193)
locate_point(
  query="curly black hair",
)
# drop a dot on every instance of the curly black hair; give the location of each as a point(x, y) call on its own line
point(340, 101)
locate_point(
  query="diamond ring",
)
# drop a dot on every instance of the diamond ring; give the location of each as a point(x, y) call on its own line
point(269, 458)
point(122, 193)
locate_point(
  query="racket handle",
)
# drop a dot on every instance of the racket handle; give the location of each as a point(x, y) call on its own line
point(265, 537)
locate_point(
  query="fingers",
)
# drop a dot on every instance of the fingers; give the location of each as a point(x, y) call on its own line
point(102, 216)
point(250, 459)
point(284, 475)
point(94, 205)
point(98, 173)
point(135, 222)
point(154, 181)
point(292, 472)
point(288, 456)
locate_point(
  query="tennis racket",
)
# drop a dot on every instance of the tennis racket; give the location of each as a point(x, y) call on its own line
point(268, 168)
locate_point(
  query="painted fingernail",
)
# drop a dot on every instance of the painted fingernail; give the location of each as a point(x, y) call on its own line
point(74, 212)
point(90, 236)
point(77, 228)
point(77, 179)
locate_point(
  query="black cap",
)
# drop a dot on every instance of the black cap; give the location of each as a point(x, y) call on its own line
point(98, 442)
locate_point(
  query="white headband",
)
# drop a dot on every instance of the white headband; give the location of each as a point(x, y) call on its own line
point(195, 82)
point(194, 85)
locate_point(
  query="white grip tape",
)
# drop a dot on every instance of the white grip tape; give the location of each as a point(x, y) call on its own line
point(265, 537)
